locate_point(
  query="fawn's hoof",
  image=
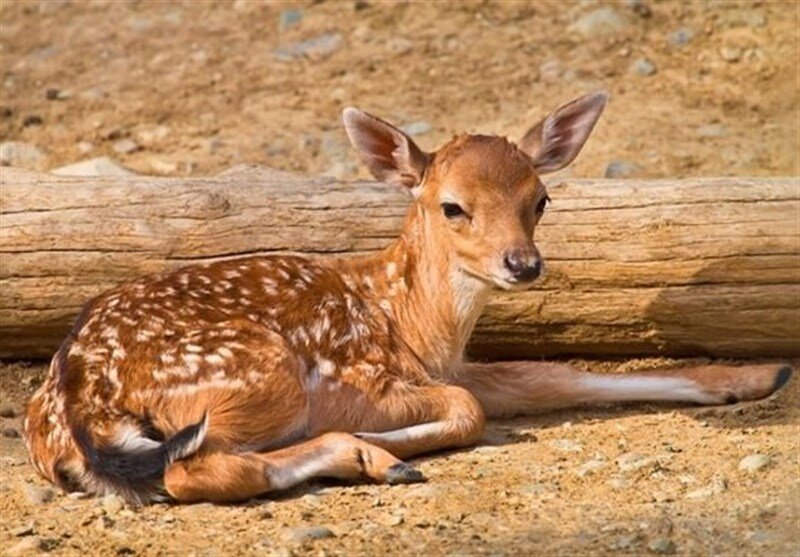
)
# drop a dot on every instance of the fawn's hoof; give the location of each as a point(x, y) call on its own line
point(402, 473)
point(783, 376)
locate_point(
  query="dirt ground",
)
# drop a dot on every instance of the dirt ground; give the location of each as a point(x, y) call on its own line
point(192, 88)
point(638, 480)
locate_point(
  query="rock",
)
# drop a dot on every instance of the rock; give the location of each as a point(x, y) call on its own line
point(629, 462)
point(754, 462)
point(731, 54)
point(717, 486)
point(162, 166)
point(662, 546)
point(25, 530)
point(289, 18)
point(314, 49)
point(420, 127)
point(28, 546)
point(85, 147)
point(100, 166)
point(590, 467)
point(602, 21)
point(23, 155)
point(643, 67)
point(76, 495)
point(39, 495)
point(32, 120)
point(126, 146)
point(152, 136)
point(395, 520)
point(11, 433)
point(359, 5)
point(309, 533)
point(681, 37)
point(742, 18)
point(640, 8)
point(712, 130)
point(112, 504)
point(567, 445)
point(7, 411)
point(400, 45)
point(621, 169)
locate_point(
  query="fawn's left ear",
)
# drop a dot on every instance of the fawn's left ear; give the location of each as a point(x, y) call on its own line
point(389, 154)
point(554, 142)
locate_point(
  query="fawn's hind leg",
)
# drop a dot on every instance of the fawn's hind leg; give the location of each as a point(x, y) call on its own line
point(228, 477)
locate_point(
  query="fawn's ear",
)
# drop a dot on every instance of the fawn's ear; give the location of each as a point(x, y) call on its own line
point(389, 154)
point(554, 142)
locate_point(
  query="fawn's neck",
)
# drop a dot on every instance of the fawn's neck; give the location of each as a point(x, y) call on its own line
point(433, 304)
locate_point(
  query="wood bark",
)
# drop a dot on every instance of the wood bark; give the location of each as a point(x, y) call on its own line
point(657, 267)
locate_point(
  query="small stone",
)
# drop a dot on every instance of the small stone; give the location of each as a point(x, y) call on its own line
point(395, 520)
point(112, 503)
point(621, 169)
point(28, 546)
point(24, 530)
point(400, 45)
point(602, 21)
point(7, 411)
point(152, 136)
point(39, 495)
point(289, 18)
point(644, 67)
point(359, 5)
point(159, 165)
point(32, 120)
point(10, 433)
point(590, 467)
point(754, 462)
point(126, 146)
point(712, 130)
point(76, 495)
point(731, 54)
point(313, 49)
point(662, 546)
point(85, 147)
point(104, 522)
point(717, 486)
point(681, 37)
point(168, 518)
point(100, 166)
point(309, 533)
point(567, 445)
point(420, 127)
point(640, 8)
point(20, 154)
point(630, 462)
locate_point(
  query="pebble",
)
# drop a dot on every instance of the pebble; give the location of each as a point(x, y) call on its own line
point(32, 120)
point(150, 136)
point(717, 486)
point(400, 45)
point(310, 533)
point(742, 18)
point(20, 154)
point(754, 462)
point(681, 37)
point(712, 130)
point(85, 147)
point(395, 520)
point(11, 433)
point(112, 503)
point(662, 546)
point(420, 127)
point(629, 462)
point(602, 21)
point(640, 8)
point(621, 169)
point(126, 146)
point(314, 49)
point(567, 445)
point(289, 18)
point(7, 411)
point(27, 546)
point(643, 67)
point(99, 166)
point(39, 495)
point(731, 54)
point(590, 467)
point(25, 530)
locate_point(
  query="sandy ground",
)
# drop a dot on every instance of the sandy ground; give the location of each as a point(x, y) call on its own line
point(638, 480)
point(192, 88)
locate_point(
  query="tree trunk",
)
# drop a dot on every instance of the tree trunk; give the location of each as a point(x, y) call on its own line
point(657, 267)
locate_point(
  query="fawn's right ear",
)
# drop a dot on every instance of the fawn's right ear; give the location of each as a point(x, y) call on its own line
point(389, 154)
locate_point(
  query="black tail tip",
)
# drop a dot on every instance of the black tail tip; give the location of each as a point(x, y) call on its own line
point(783, 376)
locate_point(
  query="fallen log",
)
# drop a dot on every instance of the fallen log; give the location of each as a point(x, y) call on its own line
point(658, 267)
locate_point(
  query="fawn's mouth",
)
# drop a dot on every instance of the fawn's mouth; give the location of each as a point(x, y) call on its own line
point(499, 283)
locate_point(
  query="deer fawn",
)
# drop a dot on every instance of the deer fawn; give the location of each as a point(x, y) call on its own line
point(231, 379)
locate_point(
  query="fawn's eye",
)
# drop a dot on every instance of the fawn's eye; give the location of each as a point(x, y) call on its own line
point(452, 210)
point(542, 204)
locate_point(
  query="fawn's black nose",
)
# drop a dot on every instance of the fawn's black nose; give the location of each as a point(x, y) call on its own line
point(523, 265)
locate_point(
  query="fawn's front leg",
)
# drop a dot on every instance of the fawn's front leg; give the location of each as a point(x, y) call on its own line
point(416, 420)
point(514, 388)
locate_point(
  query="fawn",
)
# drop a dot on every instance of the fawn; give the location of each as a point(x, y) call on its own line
point(227, 380)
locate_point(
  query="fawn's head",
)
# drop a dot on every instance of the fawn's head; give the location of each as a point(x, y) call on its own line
point(480, 196)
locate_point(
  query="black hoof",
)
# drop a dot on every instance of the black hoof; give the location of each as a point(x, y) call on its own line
point(784, 374)
point(402, 473)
